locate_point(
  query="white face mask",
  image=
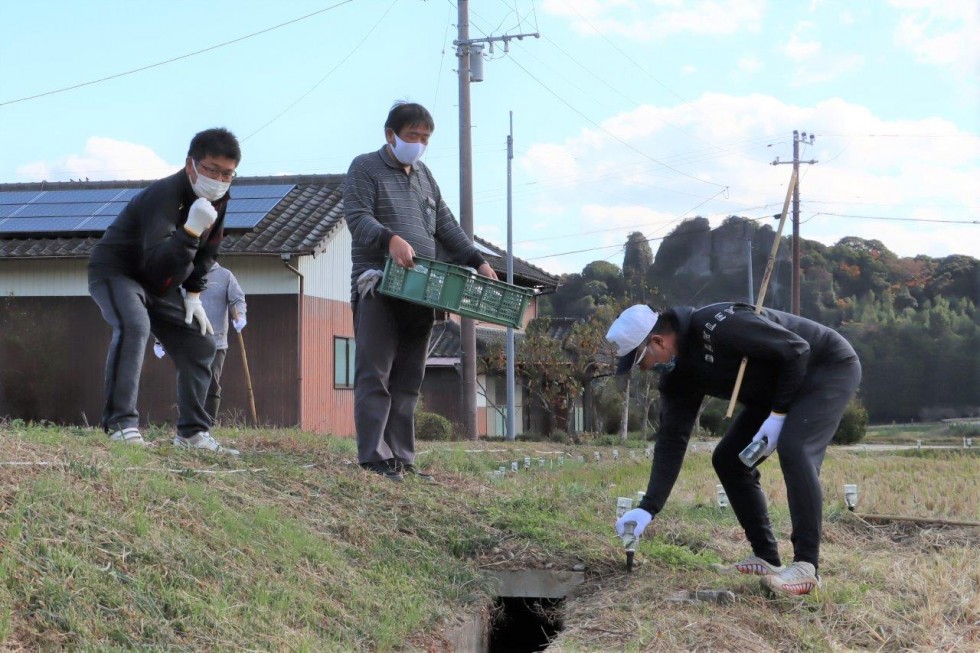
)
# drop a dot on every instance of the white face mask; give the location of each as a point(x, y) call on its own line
point(408, 153)
point(210, 189)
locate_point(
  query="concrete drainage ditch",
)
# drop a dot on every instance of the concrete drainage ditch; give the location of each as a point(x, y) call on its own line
point(527, 614)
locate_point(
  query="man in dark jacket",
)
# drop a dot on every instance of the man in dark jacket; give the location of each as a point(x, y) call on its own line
point(393, 207)
point(147, 273)
point(799, 379)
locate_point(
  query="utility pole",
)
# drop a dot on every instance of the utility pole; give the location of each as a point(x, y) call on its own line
point(470, 70)
point(511, 381)
point(796, 213)
point(467, 327)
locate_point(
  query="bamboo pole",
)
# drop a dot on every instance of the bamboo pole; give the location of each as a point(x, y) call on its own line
point(763, 287)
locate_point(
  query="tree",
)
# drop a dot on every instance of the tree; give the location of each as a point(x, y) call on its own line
point(637, 260)
point(853, 424)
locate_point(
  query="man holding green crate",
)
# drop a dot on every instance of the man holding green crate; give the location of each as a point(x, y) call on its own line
point(393, 207)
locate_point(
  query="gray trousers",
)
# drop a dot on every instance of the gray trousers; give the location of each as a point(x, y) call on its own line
point(808, 430)
point(391, 338)
point(133, 313)
point(213, 401)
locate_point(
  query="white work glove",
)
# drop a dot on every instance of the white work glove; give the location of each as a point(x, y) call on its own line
point(158, 349)
point(195, 309)
point(239, 323)
point(641, 517)
point(367, 282)
point(770, 430)
point(200, 218)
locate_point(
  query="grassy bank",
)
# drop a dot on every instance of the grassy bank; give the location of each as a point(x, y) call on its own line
point(292, 547)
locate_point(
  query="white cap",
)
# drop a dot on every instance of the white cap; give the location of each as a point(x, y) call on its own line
point(628, 332)
point(631, 328)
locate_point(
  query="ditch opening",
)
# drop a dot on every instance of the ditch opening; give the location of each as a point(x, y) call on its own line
point(522, 624)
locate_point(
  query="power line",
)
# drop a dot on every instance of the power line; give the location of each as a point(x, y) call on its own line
point(329, 72)
point(183, 56)
point(892, 219)
point(607, 132)
point(629, 58)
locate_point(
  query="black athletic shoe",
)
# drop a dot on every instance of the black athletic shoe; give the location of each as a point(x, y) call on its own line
point(408, 469)
point(384, 469)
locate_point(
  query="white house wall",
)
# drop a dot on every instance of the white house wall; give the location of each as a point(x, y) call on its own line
point(44, 278)
point(326, 275)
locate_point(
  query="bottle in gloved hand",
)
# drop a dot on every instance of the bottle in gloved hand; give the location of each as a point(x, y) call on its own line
point(751, 454)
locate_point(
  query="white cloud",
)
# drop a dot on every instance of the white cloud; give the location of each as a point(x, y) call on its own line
point(799, 47)
point(943, 32)
point(103, 159)
point(868, 167)
point(827, 69)
point(688, 69)
point(653, 19)
point(749, 64)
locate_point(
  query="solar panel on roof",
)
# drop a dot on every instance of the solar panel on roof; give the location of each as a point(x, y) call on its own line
point(38, 225)
point(252, 205)
point(261, 191)
point(96, 223)
point(58, 210)
point(85, 210)
point(243, 220)
point(7, 210)
point(18, 196)
point(82, 195)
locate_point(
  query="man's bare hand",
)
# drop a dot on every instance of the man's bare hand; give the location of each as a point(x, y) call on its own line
point(402, 252)
point(487, 271)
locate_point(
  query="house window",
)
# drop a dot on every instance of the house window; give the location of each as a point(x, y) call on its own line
point(343, 362)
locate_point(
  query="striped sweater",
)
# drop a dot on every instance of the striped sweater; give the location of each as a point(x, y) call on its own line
point(381, 200)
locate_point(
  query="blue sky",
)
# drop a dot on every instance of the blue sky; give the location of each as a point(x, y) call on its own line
point(629, 115)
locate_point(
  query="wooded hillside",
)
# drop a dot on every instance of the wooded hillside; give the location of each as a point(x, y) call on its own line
point(913, 321)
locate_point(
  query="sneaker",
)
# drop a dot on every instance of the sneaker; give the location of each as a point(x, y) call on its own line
point(796, 580)
point(408, 469)
point(131, 435)
point(384, 469)
point(756, 566)
point(202, 440)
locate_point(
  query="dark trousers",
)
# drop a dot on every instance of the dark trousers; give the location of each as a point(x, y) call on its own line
point(133, 313)
point(808, 430)
point(391, 338)
point(213, 401)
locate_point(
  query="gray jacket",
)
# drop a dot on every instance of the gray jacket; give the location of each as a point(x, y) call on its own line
point(221, 292)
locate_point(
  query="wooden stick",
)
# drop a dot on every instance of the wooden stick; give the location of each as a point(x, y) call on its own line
point(763, 287)
point(916, 520)
point(248, 376)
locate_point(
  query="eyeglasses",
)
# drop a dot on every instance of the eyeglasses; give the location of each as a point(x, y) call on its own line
point(215, 173)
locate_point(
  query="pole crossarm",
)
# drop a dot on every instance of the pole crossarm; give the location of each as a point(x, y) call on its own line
point(506, 38)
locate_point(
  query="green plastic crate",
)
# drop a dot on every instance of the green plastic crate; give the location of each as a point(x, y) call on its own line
point(456, 289)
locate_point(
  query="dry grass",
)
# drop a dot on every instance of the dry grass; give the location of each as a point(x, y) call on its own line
point(893, 587)
point(294, 548)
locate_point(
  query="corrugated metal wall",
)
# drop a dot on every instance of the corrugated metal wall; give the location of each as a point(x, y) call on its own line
point(53, 351)
point(326, 409)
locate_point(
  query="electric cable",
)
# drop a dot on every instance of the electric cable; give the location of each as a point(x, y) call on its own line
point(183, 56)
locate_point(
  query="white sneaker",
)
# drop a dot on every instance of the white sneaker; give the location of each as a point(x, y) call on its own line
point(753, 565)
point(796, 580)
point(131, 435)
point(202, 440)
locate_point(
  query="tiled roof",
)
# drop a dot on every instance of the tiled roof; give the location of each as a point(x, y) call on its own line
point(302, 223)
point(444, 342)
point(497, 258)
